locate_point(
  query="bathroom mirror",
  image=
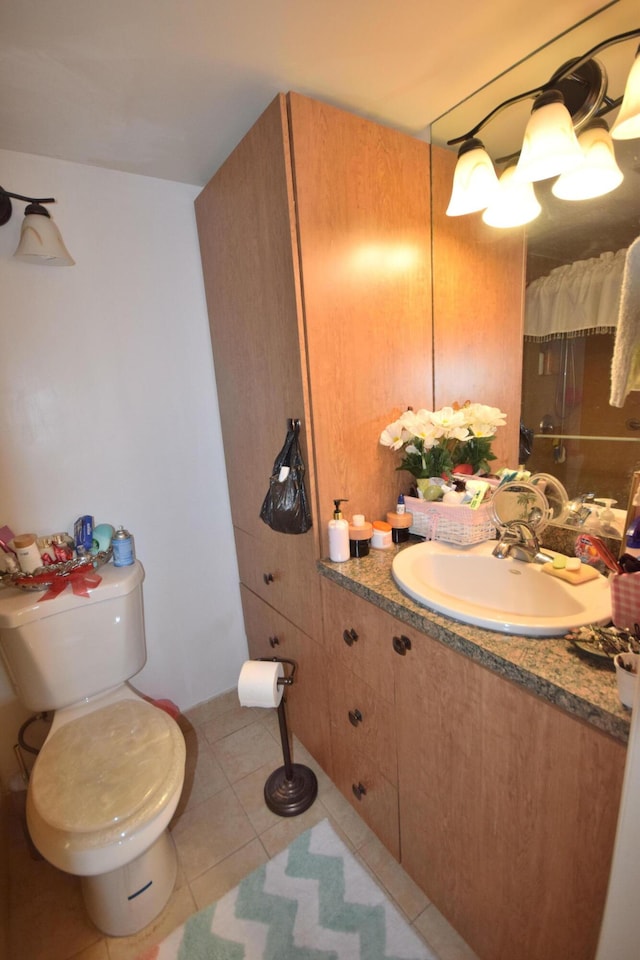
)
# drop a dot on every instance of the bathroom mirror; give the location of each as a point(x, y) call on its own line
point(577, 436)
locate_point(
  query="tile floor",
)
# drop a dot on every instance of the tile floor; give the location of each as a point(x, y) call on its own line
point(222, 831)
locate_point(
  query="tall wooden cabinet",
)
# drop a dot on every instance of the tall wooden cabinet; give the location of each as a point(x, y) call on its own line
point(316, 251)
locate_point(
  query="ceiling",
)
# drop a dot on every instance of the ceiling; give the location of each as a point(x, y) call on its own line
point(166, 88)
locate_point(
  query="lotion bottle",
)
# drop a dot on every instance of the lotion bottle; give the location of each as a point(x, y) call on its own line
point(338, 535)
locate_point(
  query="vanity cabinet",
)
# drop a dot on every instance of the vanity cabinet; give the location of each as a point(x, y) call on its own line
point(508, 807)
point(315, 240)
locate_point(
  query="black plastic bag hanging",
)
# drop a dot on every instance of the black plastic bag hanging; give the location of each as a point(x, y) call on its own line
point(285, 508)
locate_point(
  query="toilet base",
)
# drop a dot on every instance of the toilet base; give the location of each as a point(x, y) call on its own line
point(125, 900)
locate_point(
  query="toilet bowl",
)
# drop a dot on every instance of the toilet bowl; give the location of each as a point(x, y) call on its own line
point(108, 777)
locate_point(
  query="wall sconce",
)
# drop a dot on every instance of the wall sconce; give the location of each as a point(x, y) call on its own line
point(40, 240)
point(565, 137)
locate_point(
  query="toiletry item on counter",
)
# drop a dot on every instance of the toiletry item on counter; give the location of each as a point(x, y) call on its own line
point(83, 534)
point(27, 552)
point(360, 532)
point(400, 508)
point(399, 523)
point(570, 569)
point(102, 536)
point(633, 538)
point(381, 535)
point(338, 535)
point(592, 550)
point(122, 542)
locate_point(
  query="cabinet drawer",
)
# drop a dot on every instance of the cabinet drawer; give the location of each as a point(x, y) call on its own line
point(282, 570)
point(271, 635)
point(362, 721)
point(369, 792)
point(359, 636)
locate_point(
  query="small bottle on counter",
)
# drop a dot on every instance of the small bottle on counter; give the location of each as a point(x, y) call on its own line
point(381, 536)
point(400, 508)
point(360, 532)
point(400, 523)
point(122, 543)
point(27, 552)
point(338, 535)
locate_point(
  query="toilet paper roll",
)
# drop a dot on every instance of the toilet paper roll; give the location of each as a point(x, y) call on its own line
point(258, 683)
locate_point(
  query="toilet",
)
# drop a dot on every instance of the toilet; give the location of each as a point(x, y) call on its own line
point(108, 777)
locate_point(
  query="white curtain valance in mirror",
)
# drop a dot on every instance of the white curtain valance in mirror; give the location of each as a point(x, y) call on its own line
point(577, 298)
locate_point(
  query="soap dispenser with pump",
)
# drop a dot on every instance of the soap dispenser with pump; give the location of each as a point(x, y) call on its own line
point(338, 535)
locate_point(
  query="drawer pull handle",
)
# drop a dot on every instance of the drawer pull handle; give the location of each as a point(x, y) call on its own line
point(359, 791)
point(349, 636)
point(268, 578)
point(401, 644)
point(273, 641)
point(355, 717)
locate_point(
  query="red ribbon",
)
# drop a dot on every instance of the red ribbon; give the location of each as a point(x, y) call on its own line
point(81, 580)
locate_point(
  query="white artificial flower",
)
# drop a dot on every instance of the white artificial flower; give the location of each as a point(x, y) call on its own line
point(450, 423)
point(394, 435)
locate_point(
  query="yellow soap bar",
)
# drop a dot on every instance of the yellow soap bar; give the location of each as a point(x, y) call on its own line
point(576, 577)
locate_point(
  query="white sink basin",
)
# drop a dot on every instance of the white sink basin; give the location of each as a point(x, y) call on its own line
point(510, 596)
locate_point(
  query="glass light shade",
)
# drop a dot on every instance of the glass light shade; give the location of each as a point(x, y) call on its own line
point(627, 123)
point(474, 182)
point(515, 203)
point(598, 173)
point(40, 240)
point(550, 145)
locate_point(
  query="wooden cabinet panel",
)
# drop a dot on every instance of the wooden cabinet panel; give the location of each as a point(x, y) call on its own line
point(508, 808)
point(367, 649)
point(376, 800)
point(281, 569)
point(363, 207)
point(271, 635)
point(248, 247)
point(361, 721)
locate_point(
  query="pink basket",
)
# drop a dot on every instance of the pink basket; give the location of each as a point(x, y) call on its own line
point(625, 600)
point(451, 523)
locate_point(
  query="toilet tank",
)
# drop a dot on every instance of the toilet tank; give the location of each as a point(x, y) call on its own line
point(71, 647)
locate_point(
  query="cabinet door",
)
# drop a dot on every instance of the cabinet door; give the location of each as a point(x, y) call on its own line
point(270, 635)
point(356, 635)
point(508, 808)
point(363, 205)
point(283, 572)
point(246, 228)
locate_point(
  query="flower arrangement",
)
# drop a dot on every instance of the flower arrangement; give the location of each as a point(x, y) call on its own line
point(438, 442)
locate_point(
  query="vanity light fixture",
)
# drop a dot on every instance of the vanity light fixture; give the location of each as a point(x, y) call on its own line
point(40, 240)
point(627, 125)
point(475, 183)
point(515, 203)
point(563, 107)
point(598, 172)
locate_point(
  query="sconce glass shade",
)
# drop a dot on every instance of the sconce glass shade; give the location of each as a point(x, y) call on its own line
point(474, 182)
point(40, 240)
point(598, 174)
point(550, 145)
point(515, 203)
point(627, 123)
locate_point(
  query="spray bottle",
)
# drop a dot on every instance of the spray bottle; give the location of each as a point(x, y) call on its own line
point(338, 535)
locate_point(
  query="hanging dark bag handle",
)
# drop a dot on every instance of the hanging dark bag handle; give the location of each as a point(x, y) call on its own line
point(285, 508)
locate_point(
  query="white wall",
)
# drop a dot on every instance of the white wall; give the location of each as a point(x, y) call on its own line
point(108, 407)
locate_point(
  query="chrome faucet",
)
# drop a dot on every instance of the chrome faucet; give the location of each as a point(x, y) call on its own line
point(518, 540)
point(578, 511)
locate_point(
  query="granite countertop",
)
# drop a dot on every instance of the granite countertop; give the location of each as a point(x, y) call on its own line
point(549, 667)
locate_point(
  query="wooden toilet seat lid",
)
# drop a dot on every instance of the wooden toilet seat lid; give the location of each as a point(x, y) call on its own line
point(109, 769)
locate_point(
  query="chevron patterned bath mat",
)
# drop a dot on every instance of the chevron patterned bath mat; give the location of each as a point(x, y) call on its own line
point(313, 901)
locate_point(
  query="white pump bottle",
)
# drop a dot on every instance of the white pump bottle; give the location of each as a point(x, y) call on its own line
point(338, 535)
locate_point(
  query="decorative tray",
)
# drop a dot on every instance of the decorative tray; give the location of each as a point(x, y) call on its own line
point(45, 577)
